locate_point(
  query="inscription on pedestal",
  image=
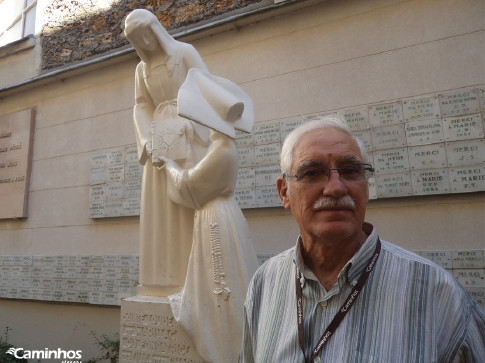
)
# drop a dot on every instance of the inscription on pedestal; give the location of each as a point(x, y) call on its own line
point(150, 334)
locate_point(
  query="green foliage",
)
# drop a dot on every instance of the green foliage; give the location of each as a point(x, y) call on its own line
point(5, 346)
point(109, 346)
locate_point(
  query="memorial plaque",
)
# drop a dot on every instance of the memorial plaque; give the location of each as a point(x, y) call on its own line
point(288, 126)
point(424, 132)
point(98, 160)
point(149, 333)
point(97, 210)
point(470, 277)
point(427, 157)
point(133, 171)
point(245, 198)
point(268, 154)
point(246, 157)
point(388, 137)
point(115, 173)
point(131, 207)
point(16, 139)
point(366, 138)
point(357, 118)
point(478, 294)
point(245, 178)
point(433, 181)
point(391, 161)
point(421, 108)
point(458, 103)
point(115, 157)
point(463, 127)
point(114, 208)
point(267, 197)
point(266, 175)
point(461, 153)
point(114, 190)
point(244, 139)
point(98, 176)
point(268, 133)
point(468, 259)
point(393, 185)
point(385, 114)
point(131, 154)
point(467, 179)
point(133, 189)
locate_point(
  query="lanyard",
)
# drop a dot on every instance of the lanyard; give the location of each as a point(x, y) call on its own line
point(343, 309)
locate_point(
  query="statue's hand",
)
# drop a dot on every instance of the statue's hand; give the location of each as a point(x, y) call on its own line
point(161, 162)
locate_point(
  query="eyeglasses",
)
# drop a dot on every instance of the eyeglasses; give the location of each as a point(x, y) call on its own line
point(315, 174)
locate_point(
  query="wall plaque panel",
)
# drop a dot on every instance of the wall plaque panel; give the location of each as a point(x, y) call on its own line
point(246, 198)
point(267, 196)
point(246, 157)
point(467, 179)
point(16, 140)
point(460, 153)
point(427, 156)
point(289, 125)
point(268, 133)
point(388, 137)
point(421, 108)
point(366, 138)
point(393, 185)
point(391, 161)
point(463, 127)
point(267, 175)
point(424, 132)
point(268, 154)
point(245, 178)
point(357, 118)
point(433, 181)
point(457, 103)
point(386, 114)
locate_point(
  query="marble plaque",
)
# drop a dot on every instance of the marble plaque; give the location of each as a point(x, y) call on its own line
point(468, 259)
point(388, 137)
point(268, 154)
point(427, 157)
point(133, 189)
point(98, 176)
point(245, 178)
point(246, 157)
point(372, 188)
point(131, 207)
point(16, 139)
point(365, 137)
point(133, 171)
point(266, 175)
point(97, 192)
point(391, 161)
point(393, 185)
point(268, 133)
point(267, 197)
point(463, 127)
point(115, 157)
point(114, 190)
point(470, 277)
point(244, 139)
point(422, 108)
point(424, 132)
point(149, 333)
point(288, 126)
point(114, 208)
point(461, 153)
point(357, 118)
point(433, 181)
point(98, 160)
point(97, 209)
point(115, 173)
point(131, 154)
point(467, 179)
point(385, 114)
point(458, 103)
point(245, 198)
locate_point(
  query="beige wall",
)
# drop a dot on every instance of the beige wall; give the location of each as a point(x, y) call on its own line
point(329, 56)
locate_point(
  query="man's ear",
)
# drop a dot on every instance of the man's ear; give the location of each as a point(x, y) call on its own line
point(283, 191)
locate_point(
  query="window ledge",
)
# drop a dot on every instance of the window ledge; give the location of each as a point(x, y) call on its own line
point(17, 46)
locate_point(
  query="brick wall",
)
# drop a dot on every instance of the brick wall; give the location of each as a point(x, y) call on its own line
point(75, 30)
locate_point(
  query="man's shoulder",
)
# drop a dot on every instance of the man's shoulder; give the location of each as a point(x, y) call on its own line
point(276, 267)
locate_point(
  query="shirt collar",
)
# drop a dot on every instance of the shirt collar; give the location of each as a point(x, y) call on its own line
point(353, 268)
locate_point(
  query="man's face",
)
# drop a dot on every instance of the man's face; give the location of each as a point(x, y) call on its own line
point(330, 148)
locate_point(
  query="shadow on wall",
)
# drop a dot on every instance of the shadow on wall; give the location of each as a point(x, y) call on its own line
point(75, 31)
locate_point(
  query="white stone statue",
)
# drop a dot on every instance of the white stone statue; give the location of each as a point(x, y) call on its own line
point(165, 226)
point(222, 260)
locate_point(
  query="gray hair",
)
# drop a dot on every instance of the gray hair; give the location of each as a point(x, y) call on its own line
point(334, 121)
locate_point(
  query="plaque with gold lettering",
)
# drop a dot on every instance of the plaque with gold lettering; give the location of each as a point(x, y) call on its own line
point(16, 139)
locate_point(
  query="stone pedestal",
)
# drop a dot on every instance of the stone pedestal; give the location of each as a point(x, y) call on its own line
point(149, 333)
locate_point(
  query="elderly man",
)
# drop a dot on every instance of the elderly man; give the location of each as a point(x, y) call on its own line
point(342, 294)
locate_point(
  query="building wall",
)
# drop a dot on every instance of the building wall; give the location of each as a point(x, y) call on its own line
point(323, 56)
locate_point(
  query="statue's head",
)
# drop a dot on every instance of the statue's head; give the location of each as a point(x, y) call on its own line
point(145, 32)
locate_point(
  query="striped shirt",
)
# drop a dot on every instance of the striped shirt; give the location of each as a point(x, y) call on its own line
point(410, 310)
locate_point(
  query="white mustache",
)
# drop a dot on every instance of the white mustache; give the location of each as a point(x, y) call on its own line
point(331, 202)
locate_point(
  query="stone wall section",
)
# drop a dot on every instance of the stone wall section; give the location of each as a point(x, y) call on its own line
point(76, 30)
